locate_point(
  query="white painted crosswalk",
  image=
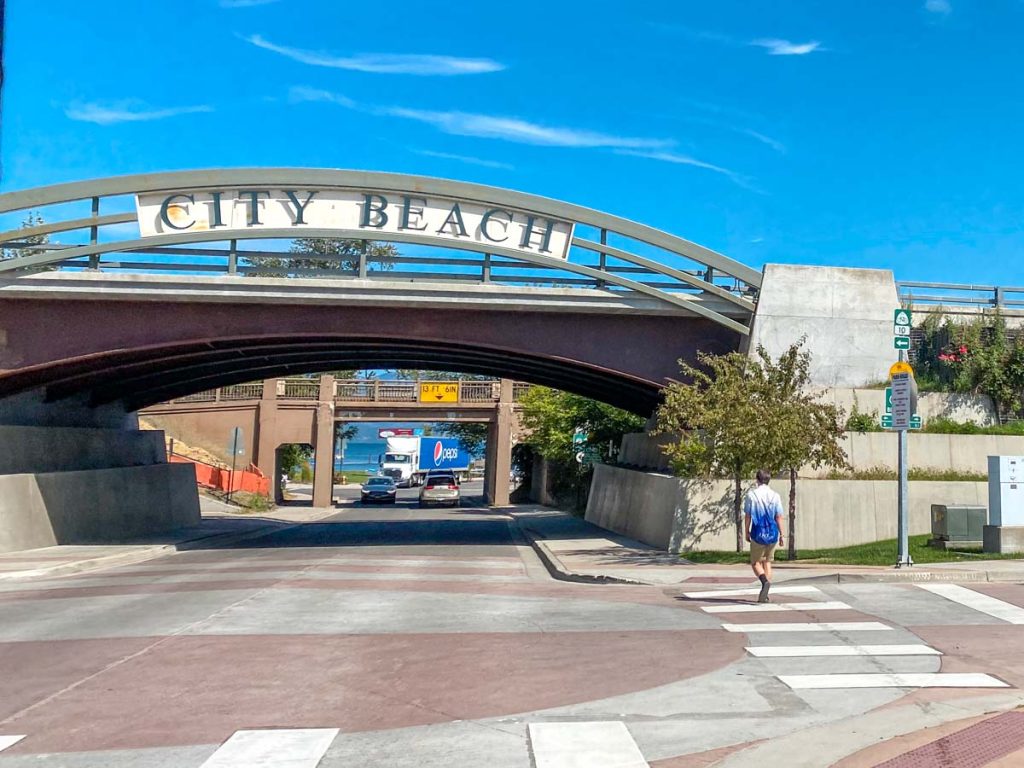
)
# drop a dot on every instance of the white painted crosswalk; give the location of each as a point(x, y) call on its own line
point(986, 604)
point(800, 626)
point(811, 651)
point(8, 741)
point(825, 605)
point(291, 748)
point(892, 680)
point(605, 744)
point(780, 590)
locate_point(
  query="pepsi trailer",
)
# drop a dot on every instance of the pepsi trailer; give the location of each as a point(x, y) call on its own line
point(443, 453)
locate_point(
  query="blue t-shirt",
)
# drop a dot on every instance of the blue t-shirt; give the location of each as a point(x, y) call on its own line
point(763, 505)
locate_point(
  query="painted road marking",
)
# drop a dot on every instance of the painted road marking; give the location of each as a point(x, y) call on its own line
point(979, 602)
point(297, 748)
point(782, 590)
point(896, 680)
point(584, 745)
point(787, 651)
point(9, 741)
point(828, 605)
point(831, 626)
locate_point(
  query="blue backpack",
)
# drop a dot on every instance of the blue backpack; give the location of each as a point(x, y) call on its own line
point(763, 528)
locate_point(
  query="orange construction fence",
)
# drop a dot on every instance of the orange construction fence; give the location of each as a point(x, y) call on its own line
point(248, 478)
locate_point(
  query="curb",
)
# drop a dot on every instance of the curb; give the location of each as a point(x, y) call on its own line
point(911, 577)
point(556, 568)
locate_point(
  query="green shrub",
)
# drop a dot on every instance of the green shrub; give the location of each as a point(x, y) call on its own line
point(944, 426)
point(915, 473)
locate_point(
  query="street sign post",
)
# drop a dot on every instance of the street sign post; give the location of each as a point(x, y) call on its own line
point(236, 447)
point(901, 415)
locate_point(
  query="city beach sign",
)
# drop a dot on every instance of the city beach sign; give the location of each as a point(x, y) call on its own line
point(377, 214)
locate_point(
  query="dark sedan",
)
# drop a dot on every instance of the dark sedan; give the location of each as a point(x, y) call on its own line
point(380, 489)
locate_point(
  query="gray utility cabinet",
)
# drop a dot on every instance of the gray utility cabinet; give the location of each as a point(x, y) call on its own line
point(958, 523)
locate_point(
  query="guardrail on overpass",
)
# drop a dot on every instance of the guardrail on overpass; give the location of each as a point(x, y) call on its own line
point(357, 391)
point(960, 295)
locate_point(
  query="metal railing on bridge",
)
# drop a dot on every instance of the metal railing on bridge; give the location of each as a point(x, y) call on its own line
point(94, 227)
point(353, 391)
point(942, 296)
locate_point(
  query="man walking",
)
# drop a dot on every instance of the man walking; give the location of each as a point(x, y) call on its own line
point(762, 512)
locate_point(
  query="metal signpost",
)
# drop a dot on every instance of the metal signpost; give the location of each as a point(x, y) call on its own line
point(901, 407)
point(236, 447)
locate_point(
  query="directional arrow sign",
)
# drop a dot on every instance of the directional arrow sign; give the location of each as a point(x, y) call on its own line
point(901, 342)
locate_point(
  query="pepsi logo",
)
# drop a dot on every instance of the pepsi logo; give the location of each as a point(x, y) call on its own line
point(441, 453)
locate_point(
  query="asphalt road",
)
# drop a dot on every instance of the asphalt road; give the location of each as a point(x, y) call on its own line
point(394, 636)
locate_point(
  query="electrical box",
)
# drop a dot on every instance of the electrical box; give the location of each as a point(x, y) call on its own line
point(958, 523)
point(1006, 490)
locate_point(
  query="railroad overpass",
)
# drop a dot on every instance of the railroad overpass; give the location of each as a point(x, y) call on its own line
point(306, 410)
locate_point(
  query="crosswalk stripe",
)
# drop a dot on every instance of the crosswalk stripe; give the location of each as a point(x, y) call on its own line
point(828, 605)
point(789, 651)
point(895, 680)
point(605, 744)
point(830, 626)
point(781, 590)
point(9, 741)
point(979, 602)
point(293, 748)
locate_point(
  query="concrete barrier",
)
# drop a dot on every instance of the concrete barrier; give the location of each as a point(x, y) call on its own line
point(678, 514)
point(95, 506)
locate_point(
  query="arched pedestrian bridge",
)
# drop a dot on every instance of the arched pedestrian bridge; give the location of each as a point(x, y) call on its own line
point(158, 285)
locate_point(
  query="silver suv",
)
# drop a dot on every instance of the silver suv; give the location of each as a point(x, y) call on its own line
point(440, 487)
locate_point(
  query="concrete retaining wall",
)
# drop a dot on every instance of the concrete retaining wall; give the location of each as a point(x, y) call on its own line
point(677, 515)
point(58, 449)
point(95, 506)
point(962, 453)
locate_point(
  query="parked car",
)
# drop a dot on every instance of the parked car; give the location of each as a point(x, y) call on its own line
point(440, 488)
point(379, 489)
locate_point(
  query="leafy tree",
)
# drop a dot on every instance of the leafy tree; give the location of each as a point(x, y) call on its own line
point(549, 419)
point(802, 430)
point(319, 253)
point(472, 436)
point(32, 220)
point(739, 413)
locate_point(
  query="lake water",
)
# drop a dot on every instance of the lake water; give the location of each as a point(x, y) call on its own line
point(361, 454)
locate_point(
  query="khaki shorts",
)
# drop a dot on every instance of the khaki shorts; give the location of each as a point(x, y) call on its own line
point(759, 553)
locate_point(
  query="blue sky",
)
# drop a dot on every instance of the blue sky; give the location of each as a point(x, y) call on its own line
point(882, 133)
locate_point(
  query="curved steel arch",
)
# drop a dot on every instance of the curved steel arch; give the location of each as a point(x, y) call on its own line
point(96, 190)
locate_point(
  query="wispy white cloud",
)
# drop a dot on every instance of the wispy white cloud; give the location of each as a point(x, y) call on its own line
point(517, 130)
point(383, 63)
point(465, 159)
point(941, 7)
point(775, 144)
point(300, 93)
point(244, 3)
point(778, 47)
point(678, 159)
point(125, 111)
point(521, 131)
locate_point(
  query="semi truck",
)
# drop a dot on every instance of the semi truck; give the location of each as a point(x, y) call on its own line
point(406, 460)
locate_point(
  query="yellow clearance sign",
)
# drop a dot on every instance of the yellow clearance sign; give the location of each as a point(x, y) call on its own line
point(439, 392)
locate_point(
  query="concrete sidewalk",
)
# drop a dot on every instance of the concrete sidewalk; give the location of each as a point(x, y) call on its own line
point(576, 550)
point(217, 529)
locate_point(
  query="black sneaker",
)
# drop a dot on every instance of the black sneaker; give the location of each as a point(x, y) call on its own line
point(763, 595)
